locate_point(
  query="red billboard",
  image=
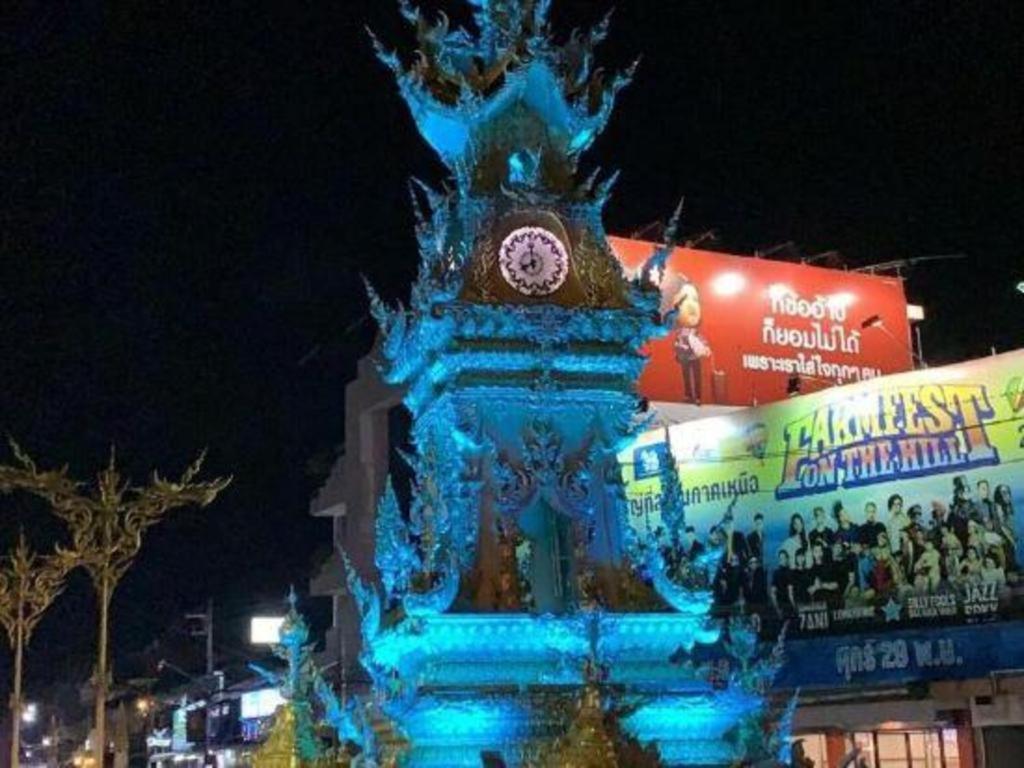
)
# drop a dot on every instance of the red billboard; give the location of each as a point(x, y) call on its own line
point(746, 329)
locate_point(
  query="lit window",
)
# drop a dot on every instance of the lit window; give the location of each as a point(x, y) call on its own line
point(907, 749)
point(866, 742)
point(814, 746)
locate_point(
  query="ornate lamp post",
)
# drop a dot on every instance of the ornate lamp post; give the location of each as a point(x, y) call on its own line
point(29, 583)
point(106, 527)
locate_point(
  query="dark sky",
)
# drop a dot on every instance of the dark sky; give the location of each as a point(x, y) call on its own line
point(189, 192)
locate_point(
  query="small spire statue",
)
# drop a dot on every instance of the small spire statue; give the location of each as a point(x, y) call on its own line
point(293, 741)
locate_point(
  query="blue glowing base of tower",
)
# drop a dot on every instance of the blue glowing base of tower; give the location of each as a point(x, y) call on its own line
point(474, 683)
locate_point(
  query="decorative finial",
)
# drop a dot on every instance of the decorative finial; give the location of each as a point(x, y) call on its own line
point(293, 599)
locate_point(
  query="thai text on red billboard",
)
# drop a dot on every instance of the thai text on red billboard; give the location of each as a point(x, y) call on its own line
point(743, 327)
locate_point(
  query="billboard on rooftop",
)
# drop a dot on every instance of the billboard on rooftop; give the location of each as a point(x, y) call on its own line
point(744, 327)
point(891, 503)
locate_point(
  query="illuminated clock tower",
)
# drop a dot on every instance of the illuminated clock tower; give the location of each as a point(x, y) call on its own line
point(517, 615)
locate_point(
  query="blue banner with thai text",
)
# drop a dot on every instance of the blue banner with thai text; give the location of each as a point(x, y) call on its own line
point(900, 657)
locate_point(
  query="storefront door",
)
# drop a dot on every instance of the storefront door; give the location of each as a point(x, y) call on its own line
point(935, 748)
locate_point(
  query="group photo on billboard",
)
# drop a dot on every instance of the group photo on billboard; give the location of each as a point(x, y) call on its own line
point(890, 501)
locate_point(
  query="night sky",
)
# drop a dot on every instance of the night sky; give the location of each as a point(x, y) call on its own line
point(190, 191)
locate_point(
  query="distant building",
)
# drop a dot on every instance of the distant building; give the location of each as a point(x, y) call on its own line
point(375, 420)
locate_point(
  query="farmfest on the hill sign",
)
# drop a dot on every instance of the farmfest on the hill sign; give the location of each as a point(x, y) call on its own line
point(889, 502)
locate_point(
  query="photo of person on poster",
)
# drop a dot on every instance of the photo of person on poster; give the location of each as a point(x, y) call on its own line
point(689, 346)
point(848, 561)
point(879, 503)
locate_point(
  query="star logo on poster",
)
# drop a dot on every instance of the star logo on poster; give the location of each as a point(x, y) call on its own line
point(891, 610)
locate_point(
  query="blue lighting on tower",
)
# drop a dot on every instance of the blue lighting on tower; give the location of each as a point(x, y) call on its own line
point(512, 582)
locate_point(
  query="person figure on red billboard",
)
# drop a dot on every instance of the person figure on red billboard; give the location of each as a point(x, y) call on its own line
point(689, 346)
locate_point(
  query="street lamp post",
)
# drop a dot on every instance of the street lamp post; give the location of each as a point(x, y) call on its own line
point(106, 529)
point(53, 741)
point(29, 583)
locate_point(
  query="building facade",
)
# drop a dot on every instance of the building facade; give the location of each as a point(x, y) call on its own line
point(376, 429)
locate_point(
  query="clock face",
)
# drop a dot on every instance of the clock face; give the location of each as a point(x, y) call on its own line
point(533, 261)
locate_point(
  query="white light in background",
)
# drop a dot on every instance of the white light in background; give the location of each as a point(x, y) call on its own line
point(915, 313)
point(30, 713)
point(265, 630)
point(728, 284)
point(261, 703)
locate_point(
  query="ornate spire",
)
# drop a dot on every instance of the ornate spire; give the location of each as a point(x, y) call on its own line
point(459, 82)
point(595, 738)
point(287, 746)
point(396, 556)
point(293, 741)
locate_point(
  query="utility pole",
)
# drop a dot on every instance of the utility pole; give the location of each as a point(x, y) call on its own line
point(54, 742)
point(206, 623)
point(205, 630)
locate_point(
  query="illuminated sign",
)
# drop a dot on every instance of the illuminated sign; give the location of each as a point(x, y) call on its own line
point(888, 433)
point(744, 329)
point(160, 738)
point(901, 656)
point(890, 501)
point(265, 630)
point(179, 730)
point(261, 703)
